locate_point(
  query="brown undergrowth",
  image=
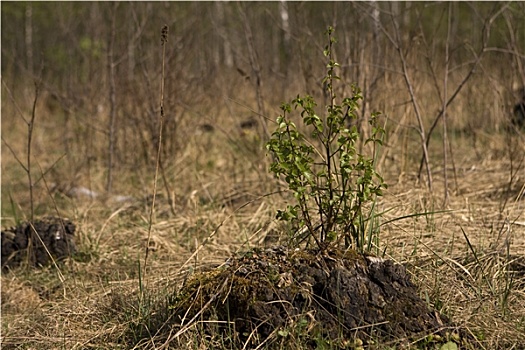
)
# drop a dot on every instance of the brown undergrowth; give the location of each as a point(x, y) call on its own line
point(467, 260)
point(465, 257)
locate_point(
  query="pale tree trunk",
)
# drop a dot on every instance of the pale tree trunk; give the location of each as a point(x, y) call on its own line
point(227, 55)
point(285, 23)
point(283, 9)
point(283, 60)
point(406, 16)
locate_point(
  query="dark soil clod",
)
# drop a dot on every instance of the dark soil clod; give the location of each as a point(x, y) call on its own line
point(51, 237)
point(337, 295)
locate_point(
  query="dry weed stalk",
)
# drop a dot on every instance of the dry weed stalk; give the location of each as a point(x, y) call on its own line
point(164, 40)
point(30, 128)
point(27, 169)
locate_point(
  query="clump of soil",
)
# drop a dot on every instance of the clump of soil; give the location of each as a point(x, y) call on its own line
point(340, 297)
point(51, 237)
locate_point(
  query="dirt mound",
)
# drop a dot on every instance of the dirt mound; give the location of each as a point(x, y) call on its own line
point(274, 295)
point(54, 236)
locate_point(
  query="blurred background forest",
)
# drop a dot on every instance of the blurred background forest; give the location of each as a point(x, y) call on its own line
point(229, 65)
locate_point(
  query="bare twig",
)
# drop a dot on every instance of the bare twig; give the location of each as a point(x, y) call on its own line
point(256, 68)
point(12, 98)
point(14, 154)
point(30, 127)
point(478, 56)
point(408, 82)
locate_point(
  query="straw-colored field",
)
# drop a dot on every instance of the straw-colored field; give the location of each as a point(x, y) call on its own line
point(462, 237)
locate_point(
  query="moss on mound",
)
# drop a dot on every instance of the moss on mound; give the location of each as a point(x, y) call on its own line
point(273, 296)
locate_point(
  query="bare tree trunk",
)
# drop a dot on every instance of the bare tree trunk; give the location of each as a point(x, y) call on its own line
point(131, 55)
point(513, 44)
point(282, 47)
point(285, 23)
point(29, 37)
point(220, 24)
point(112, 99)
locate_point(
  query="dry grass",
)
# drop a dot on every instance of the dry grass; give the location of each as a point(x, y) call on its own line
point(225, 203)
point(98, 300)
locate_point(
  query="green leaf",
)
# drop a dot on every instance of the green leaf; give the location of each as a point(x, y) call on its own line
point(321, 163)
point(331, 236)
point(283, 333)
point(449, 346)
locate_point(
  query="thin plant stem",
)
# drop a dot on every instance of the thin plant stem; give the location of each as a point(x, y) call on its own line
point(444, 106)
point(164, 39)
point(30, 127)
